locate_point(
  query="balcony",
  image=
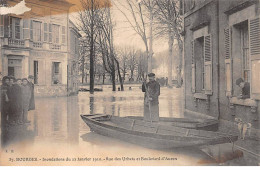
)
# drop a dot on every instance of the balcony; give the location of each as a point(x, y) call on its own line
point(37, 45)
point(55, 47)
point(26, 43)
point(14, 42)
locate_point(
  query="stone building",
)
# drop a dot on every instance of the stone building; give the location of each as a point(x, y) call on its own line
point(42, 43)
point(222, 44)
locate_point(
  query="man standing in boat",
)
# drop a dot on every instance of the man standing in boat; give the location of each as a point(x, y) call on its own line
point(151, 101)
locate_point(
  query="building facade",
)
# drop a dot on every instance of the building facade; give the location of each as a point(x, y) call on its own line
point(222, 44)
point(38, 43)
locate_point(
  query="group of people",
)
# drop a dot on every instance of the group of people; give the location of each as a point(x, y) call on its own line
point(17, 98)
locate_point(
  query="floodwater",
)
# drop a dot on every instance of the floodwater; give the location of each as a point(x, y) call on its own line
point(58, 136)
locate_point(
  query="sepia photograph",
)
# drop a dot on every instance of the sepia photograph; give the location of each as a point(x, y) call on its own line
point(130, 83)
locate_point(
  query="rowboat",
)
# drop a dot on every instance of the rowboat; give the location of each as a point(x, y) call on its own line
point(152, 134)
point(199, 124)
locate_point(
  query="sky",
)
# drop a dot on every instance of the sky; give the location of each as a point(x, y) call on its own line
point(124, 35)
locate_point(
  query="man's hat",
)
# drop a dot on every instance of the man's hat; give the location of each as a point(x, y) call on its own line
point(151, 74)
point(239, 80)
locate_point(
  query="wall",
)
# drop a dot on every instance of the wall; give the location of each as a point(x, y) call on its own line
point(206, 14)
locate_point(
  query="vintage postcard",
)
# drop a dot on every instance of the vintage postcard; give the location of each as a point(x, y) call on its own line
point(130, 82)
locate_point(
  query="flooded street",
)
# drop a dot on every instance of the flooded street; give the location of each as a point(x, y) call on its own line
point(57, 131)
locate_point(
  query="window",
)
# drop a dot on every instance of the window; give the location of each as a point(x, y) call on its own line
point(35, 71)
point(56, 67)
point(15, 31)
point(201, 67)
point(26, 29)
point(56, 73)
point(56, 33)
point(1, 25)
point(245, 52)
point(240, 54)
point(45, 37)
point(199, 64)
point(36, 31)
point(243, 57)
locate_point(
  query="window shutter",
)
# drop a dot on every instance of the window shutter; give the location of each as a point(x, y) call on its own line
point(254, 46)
point(63, 38)
point(207, 65)
point(6, 26)
point(50, 33)
point(26, 29)
point(45, 32)
point(31, 29)
point(193, 69)
point(228, 62)
point(1, 25)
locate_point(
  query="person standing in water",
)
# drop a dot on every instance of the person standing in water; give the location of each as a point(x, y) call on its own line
point(26, 97)
point(151, 99)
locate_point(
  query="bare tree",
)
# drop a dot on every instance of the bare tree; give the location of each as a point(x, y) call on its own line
point(123, 56)
point(141, 65)
point(169, 22)
point(137, 20)
point(89, 25)
point(106, 44)
point(132, 62)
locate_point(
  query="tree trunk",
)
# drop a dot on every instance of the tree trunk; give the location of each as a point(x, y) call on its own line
point(170, 43)
point(113, 79)
point(120, 78)
point(92, 51)
point(103, 78)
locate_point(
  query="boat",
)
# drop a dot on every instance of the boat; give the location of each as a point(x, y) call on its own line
point(200, 124)
point(152, 134)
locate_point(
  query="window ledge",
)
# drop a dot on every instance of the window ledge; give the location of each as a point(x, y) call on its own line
point(200, 96)
point(243, 102)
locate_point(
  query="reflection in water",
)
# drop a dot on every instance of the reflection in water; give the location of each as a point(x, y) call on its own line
point(13, 134)
point(73, 120)
point(91, 104)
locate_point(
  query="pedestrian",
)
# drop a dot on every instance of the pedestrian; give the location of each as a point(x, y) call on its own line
point(151, 99)
point(16, 100)
point(26, 97)
point(245, 88)
point(19, 101)
point(31, 84)
point(12, 93)
point(4, 101)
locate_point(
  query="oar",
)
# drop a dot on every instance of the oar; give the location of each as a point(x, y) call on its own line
point(147, 95)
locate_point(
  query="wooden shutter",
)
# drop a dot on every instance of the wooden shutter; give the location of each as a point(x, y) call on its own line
point(45, 32)
point(228, 61)
point(50, 33)
point(207, 65)
point(26, 28)
point(254, 48)
point(63, 33)
point(31, 29)
point(193, 69)
point(1, 25)
point(6, 26)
